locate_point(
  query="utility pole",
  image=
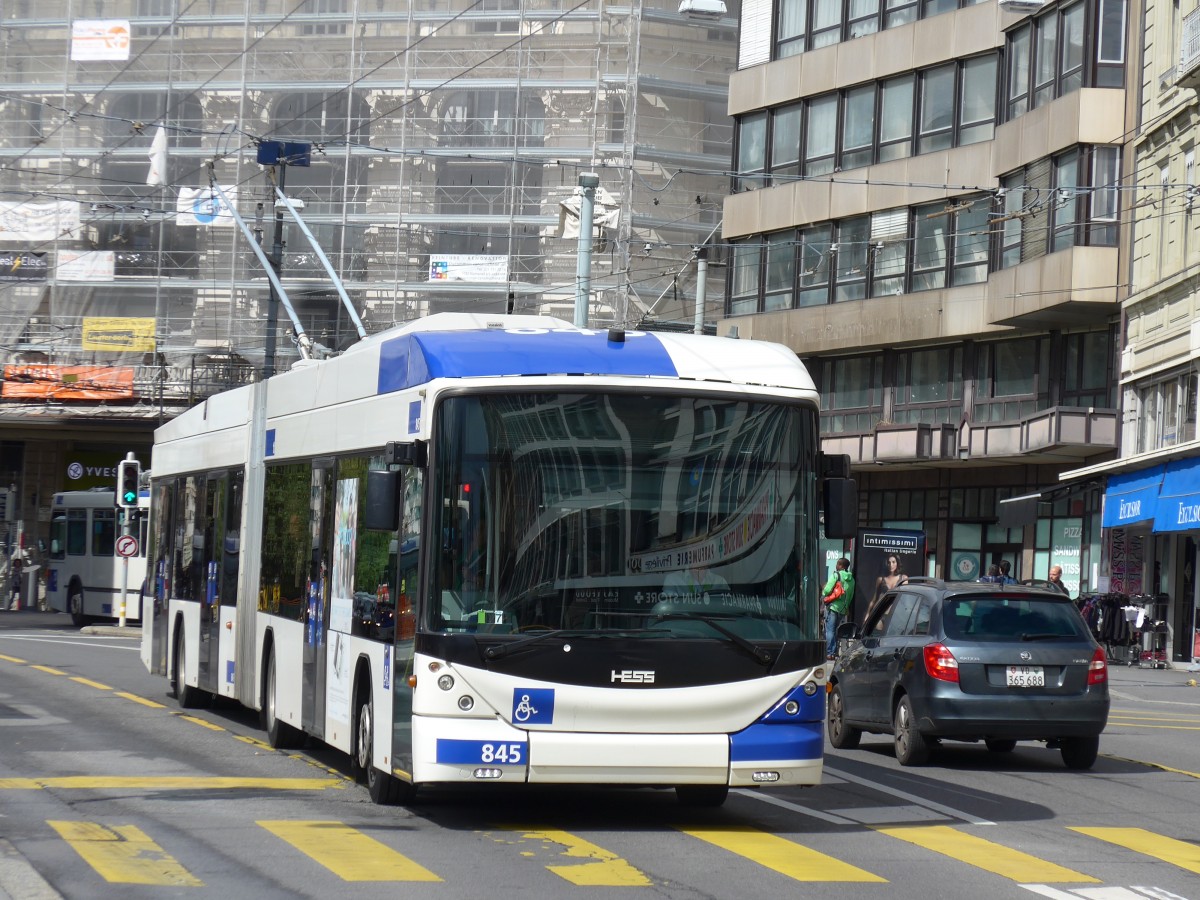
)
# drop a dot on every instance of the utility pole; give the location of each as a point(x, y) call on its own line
point(280, 154)
point(701, 287)
point(588, 182)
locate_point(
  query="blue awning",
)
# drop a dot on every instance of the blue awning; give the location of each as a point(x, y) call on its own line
point(1132, 497)
point(1179, 500)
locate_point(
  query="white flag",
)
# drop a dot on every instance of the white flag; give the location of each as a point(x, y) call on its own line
point(158, 158)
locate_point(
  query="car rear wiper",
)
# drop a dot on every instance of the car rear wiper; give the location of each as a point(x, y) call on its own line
point(498, 651)
point(1043, 636)
point(760, 655)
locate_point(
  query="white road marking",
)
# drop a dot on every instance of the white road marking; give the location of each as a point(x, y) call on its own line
point(914, 799)
point(795, 807)
point(88, 642)
point(1135, 892)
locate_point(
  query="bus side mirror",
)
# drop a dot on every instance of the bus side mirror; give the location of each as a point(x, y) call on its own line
point(382, 511)
point(840, 496)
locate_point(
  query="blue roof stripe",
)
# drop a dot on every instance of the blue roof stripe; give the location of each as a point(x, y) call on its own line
point(422, 356)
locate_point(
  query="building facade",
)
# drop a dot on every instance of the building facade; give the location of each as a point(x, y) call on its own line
point(1151, 515)
point(931, 208)
point(445, 143)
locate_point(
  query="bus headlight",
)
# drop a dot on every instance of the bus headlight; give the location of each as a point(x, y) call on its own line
point(465, 702)
point(446, 682)
point(810, 687)
point(791, 707)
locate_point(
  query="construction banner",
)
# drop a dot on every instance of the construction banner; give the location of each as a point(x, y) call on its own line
point(67, 383)
point(118, 334)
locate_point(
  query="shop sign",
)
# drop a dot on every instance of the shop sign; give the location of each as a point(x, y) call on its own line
point(1066, 537)
point(21, 266)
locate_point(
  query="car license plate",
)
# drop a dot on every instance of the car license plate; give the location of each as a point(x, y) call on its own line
point(1026, 676)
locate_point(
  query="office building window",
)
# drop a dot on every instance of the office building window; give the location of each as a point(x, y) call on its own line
point(815, 242)
point(781, 270)
point(745, 266)
point(1011, 379)
point(851, 259)
point(1165, 409)
point(802, 25)
point(851, 393)
point(1072, 46)
point(1088, 377)
point(918, 112)
point(929, 385)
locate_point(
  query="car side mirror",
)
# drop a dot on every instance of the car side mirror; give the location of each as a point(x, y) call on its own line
point(848, 631)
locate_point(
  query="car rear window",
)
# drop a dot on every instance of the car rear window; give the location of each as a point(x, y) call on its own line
point(1000, 618)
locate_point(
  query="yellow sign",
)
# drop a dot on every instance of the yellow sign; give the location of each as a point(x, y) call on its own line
point(118, 334)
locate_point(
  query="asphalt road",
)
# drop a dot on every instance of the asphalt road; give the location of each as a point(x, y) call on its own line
point(109, 790)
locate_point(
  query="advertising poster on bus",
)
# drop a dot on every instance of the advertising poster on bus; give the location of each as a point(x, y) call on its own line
point(883, 559)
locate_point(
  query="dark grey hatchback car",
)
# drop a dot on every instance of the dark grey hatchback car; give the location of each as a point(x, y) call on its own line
point(939, 660)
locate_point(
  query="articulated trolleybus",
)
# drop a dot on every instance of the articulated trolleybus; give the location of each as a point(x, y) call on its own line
point(498, 550)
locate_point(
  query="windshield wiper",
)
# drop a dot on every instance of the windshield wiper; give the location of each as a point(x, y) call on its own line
point(1042, 636)
point(498, 651)
point(760, 655)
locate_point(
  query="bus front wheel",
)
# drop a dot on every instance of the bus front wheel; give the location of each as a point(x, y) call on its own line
point(384, 788)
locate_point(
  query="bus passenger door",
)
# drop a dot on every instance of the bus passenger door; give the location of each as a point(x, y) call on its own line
point(316, 617)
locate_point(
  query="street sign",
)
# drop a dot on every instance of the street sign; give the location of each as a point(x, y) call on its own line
point(127, 546)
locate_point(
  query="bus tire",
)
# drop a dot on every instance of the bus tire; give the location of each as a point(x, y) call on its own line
point(280, 735)
point(697, 795)
point(75, 607)
point(384, 788)
point(188, 696)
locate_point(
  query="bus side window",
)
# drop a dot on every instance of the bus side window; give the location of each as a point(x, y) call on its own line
point(77, 525)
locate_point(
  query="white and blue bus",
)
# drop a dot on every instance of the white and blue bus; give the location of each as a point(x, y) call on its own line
point(86, 575)
point(508, 550)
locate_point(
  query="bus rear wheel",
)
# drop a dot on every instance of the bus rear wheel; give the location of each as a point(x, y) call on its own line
point(188, 696)
point(280, 735)
point(75, 608)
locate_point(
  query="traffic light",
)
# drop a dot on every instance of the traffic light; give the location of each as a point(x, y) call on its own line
point(129, 473)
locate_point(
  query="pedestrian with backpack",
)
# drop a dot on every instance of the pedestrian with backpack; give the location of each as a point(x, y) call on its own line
point(837, 596)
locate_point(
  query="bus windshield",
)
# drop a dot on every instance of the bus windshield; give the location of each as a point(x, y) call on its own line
point(646, 514)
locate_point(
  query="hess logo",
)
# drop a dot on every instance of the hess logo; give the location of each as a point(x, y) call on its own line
point(633, 676)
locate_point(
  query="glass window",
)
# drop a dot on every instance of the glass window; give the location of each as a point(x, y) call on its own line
point(1071, 52)
point(896, 118)
point(1015, 368)
point(1018, 72)
point(747, 261)
point(1046, 61)
point(937, 7)
point(814, 265)
point(104, 532)
point(1106, 177)
point(900, 12)
point(287, 541)
point(1010, 230)
point(77, 525)
point(889, 246)
point(929, 252)
point(864, 17)
point(1110, 45)
point(1066, 201)
point(977, 112)
point(937, 108)
point(858, 127)
point(781, 270)
point(822, 135)
point(971, 241)
point(790, 31)
point(785, 140)
point(853, 240)
point(752, 149)
point(827, 22)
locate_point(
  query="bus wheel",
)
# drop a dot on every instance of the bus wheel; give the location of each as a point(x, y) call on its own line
point(188, 696)
point(701, 794)
point(385, 789)
point(280, 735)
point(75, 608)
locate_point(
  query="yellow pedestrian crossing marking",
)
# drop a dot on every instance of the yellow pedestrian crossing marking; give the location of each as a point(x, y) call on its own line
point(347, 852)
point(786, 857)
point(124, 854)
point(49, 670)
point(985, 854)
point(602, 869)
point(201, 722)
point(1177, 853)
point(12, 659)
point(168, 783)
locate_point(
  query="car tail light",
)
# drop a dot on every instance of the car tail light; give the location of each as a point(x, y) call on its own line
point(940, 662)
point(1098, 669)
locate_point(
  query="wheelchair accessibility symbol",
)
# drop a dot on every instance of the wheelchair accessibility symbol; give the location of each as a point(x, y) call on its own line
point(533, 706)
